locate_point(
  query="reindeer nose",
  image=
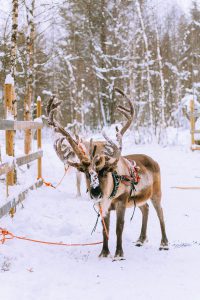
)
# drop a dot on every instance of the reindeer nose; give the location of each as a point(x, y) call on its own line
point(95, 193)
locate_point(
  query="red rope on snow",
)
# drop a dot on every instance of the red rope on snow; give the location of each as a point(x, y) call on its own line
point(7, 235)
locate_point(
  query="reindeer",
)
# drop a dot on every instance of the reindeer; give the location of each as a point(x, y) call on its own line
point(116, 182)
point(62, 146)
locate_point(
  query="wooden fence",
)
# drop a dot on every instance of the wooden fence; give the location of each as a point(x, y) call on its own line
point(194, 115)
point(10, 125)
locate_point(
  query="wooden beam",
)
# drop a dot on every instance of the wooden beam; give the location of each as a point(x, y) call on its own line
point(193, 148)
point(192, 121)
point(195, 131)
point(14, 201)
point(19, 125)
point(195, 114)
point(186, 187)
point(39, 137)
point(20, 161)
point(25, 159)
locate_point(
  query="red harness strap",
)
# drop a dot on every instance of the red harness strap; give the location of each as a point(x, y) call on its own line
point(134, 177)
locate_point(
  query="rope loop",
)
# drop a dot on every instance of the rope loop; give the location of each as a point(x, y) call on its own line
point(6, 235)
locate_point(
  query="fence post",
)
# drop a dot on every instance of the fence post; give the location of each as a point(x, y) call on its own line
point(192, 122)
point(27, 117)
point(39, 136)
point(8, 94)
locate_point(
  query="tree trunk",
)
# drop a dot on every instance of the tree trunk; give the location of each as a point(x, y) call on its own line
point(29, 89)
point(147, 59)
point(14, 37)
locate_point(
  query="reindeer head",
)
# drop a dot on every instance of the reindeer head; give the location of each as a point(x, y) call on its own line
point(102, 158)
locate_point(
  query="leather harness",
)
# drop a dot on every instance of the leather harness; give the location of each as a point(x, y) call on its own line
point(130, 180)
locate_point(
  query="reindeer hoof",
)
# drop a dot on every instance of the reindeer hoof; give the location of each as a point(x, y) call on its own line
point(104, 253)
point(141, 242)
point(118, 258)
point(164, 246)
point(119, 254)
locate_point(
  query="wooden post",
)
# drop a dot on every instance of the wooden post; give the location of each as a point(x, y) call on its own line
point(8, 92)
point(27, 117)
point(39, 137)
point(192, 123)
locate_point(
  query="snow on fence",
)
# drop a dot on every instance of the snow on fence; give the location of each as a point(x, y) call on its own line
point(195, 133)
point(9, 125)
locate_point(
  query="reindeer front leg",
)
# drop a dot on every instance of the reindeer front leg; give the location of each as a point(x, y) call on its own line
point(105, 250)
point(120, 211)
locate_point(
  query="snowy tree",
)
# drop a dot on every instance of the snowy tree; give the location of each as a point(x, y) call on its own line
point(190, 54)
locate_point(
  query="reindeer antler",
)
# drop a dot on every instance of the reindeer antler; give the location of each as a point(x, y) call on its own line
point(52, 107)
point(128, 113)
point(63, 149)
point(113, 150)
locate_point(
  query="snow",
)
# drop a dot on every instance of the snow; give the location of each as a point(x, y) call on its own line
point(9, 79)
point(38, 120)
point(9, 116)
point(34, 271)
point(185, 101)
point(8, 159)
point(48, 93)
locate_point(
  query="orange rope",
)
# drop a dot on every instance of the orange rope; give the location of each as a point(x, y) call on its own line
point(7, 235)
point(62, 177)
point(49, 184)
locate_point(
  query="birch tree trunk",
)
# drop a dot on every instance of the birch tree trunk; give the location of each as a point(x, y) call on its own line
point(14, 37)
point(147, 60)
point(14, 51)
point(162, 138)
point(13, 69)
point(29, 87)
point(162, 82)
point(103, 91)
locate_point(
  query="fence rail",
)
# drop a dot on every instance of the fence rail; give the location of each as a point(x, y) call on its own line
point(12, 203)
point(19, 125)
point(9, 169)
point(20, 161)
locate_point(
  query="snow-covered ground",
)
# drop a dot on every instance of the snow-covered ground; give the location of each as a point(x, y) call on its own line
point(30, 271)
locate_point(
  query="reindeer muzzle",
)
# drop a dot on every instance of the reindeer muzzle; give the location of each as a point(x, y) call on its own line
point(95, 190)
point(96, 193)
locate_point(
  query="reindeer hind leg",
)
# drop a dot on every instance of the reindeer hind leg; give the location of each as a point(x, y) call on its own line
point(156, 201)
point(143, 237)
point(120, 211)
